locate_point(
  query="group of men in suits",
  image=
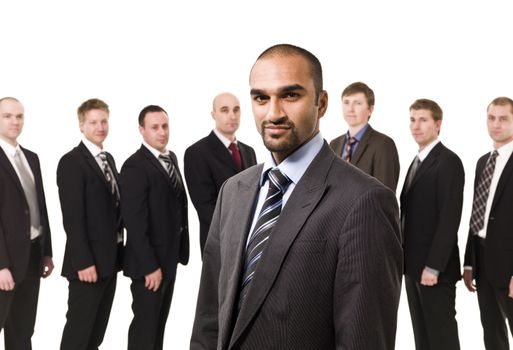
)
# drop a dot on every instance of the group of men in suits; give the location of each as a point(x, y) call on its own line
point(303, 251)
point(148, 199)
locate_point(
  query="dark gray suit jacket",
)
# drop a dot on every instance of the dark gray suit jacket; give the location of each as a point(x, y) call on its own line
point(376, 155)
point(329, 278)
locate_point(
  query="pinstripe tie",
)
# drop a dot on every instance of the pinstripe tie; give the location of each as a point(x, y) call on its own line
point(271, 209)
point(481, 194)
point(171, 170)
point(111, 179)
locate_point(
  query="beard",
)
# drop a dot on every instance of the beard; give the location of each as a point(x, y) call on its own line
point(281, 143)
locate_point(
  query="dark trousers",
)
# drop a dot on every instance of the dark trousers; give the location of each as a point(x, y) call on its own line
point(150, 315)
point(495, 306)
point(433, 315)
point(89, 306)
point(18, 307)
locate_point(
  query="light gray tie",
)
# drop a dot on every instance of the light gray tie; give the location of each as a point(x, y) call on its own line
point(413, 171)
point(29, 187)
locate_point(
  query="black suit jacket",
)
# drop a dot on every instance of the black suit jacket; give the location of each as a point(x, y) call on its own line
point(89, 214)
point(15, 217)
point(330, 275)
point(154, 216)
point(431, 214)
point(376, 155)
point(207, 165)
point(498, 260)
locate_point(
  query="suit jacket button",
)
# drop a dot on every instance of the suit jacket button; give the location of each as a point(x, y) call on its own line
point(491, 218)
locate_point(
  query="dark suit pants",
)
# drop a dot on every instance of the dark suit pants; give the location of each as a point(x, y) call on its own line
point(89, 306)
point(495, 306)
point(433, 315)
point(18, 307)
point(150, 315)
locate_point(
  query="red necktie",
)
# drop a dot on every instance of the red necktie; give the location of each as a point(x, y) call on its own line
point(236, 155)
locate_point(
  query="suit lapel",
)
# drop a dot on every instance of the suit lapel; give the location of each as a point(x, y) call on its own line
point(340, 150)
point(426, 164)
point(305, 197)
point(91, 161)
point(362, 145)
point(221, 152)
point(155, 162)
point(503, 180)
point(244, 154)
point(242, 216)
point(6, 164)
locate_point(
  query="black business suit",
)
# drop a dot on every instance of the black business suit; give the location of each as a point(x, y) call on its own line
point(430, 216)
point(329, 277)
point(207, 165)
point(155, 217)
point(92, 222)
point(491, 260)
point(17, 253)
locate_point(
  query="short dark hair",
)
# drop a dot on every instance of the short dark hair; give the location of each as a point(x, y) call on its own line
point(291, 50)
point(502, 101)
point(358, 87)
point(424, 103)
point(93, 103)
point(149, 109)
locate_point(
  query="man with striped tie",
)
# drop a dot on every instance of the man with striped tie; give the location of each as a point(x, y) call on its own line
point(89, 196)
point(488, 256)
point(304, 251)
point(154, 208)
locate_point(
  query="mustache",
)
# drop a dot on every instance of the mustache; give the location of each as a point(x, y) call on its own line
point(282, 121)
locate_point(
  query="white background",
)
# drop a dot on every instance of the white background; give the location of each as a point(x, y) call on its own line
point(56, 54)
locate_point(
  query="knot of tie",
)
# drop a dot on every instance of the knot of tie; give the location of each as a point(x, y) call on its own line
point(235, 155)
point(278, 181)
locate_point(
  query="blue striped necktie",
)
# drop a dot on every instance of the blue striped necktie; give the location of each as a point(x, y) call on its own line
point(271, 209)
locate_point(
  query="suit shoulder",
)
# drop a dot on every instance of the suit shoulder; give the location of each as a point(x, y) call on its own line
point(134, 159)
point(72, 155)
point(379, 135)
point(450, 155)
point(351, 179)
point(29, 153)
point(240, 143)
point(337, 140)
point(250, 173)
point(199, 145)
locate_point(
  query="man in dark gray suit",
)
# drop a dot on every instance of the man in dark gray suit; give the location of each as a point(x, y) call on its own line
point(367, 149)
point(304, 251)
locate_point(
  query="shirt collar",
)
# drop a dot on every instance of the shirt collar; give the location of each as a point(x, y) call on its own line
point(223, 138)
point(506, 150)
point(154, 151)
point(425, 152)
point(94, 149)
point(295, 165)
point(8, 148)
point(358, 136)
